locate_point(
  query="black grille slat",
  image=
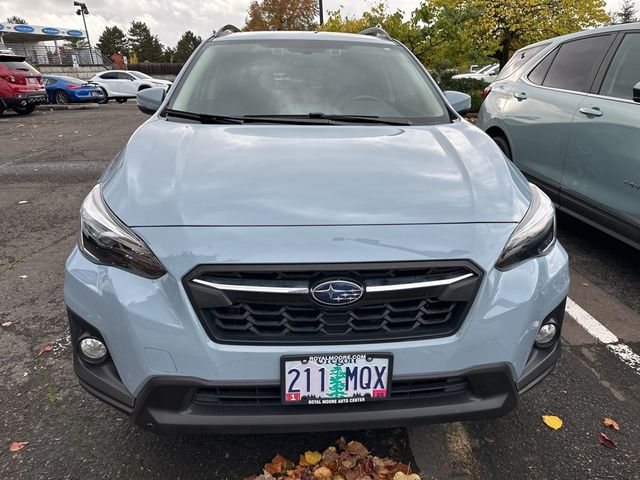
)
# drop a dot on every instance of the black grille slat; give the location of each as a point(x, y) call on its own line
point(295, 319)
point(270, 394)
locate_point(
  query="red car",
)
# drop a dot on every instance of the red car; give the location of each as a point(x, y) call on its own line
point(20, 84)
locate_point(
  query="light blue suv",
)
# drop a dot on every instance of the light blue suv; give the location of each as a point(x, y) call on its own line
point(567, 111)
point(306, 235)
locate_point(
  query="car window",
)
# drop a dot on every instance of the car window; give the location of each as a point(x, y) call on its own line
point(284, 77)
point(539, 73)
point(109, 76)
point(141, 76)
point(124, 76)
point(576, 62)
point(519, 59)
point(19, 66)
point(624, 71)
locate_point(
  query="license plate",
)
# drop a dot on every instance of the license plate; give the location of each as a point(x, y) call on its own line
point(335, 379)
point(31, 80)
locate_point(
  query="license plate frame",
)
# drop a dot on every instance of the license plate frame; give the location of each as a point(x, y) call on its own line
point(369, 360)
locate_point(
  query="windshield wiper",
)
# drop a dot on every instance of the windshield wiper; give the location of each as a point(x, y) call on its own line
point(359, 119)
point(204, 117)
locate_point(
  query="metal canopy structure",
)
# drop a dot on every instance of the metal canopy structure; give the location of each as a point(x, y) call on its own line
point(17, 33)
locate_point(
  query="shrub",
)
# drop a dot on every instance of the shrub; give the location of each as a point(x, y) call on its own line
point(470, 86)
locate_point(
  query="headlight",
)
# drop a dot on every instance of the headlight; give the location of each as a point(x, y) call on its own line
point(534, 236)
point(106, 240)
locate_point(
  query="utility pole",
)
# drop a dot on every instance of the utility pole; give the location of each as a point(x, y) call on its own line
point(321, 13)
point(83, 10)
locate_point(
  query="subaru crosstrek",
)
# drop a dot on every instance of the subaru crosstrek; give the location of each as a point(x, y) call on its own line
point(306, 235)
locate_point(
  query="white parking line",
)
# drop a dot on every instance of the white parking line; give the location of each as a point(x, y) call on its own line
point(603, 335)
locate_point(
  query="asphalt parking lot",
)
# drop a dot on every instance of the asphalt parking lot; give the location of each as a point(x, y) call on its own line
point(49, 162)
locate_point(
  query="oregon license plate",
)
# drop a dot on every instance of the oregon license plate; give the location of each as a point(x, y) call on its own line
point(336, 379)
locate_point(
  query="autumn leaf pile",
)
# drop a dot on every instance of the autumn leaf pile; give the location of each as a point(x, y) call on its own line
point(345, 461)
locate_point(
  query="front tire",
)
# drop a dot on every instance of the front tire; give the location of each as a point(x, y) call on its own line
point(121, 100)
point(503, 144)
point(26, 110)
point(61, 97)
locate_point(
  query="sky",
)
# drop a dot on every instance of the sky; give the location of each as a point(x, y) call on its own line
point(167, 18)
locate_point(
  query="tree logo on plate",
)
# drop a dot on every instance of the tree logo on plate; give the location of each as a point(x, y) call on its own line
point(337, 292)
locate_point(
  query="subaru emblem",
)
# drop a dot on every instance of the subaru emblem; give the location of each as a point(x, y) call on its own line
point(337, 292)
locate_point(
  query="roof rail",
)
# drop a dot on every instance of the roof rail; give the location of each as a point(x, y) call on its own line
point(376, 32)
point(226, 30)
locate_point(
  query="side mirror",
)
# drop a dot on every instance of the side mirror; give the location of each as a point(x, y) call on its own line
point(636, 93)
point(150, 99)
point(461, 102)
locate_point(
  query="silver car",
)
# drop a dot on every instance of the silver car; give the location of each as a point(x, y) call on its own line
point(567, 112)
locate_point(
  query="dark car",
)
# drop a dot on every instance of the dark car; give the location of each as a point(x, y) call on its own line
point(63, 90)
point(20, 84)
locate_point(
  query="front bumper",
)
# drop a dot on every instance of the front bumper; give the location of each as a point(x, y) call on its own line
point(161, 354)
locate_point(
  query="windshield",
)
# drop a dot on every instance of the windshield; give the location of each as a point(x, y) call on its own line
point(140, 75)
point(296, 78)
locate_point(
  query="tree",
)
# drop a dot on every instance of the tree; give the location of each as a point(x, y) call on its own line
point(16, 20)
point(113, 40)
point(169, 55)
point(186, 45)
point(499, 27)
point(282, 15)
point(627, 14)
point(337, 377)
point(76, 43)
point(146, 46)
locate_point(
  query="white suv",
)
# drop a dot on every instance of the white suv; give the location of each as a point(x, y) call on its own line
point(124, 84)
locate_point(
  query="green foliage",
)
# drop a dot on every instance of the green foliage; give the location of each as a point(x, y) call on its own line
point(470, 86)
point(626, 14)
point(337, 377)
point(16, 20)
point(113, 40)
point(186, 45)
point(282, 15)
point(146, 46)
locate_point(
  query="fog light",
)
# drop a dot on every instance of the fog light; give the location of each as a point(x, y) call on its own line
point(546, 335)
point(93, 349)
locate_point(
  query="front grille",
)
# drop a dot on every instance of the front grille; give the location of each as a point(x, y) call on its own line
point(404, 389)
point(231, 315)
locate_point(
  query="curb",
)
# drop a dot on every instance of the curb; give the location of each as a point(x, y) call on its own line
point(80, 106)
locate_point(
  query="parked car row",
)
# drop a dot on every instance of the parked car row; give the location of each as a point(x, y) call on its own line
point(566, 111)
point(22, 87)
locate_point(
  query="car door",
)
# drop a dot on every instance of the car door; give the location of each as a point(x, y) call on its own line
point(128, 84)
point(539, 110)
point(602, 174)
point(109, 80)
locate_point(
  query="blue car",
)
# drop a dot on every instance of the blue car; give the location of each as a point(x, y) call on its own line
point(63, 90)
point(306, 235)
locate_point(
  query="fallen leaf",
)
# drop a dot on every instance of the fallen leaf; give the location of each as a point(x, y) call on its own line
point(7, 324)
point(323, 473)
point(23, 276)
point(312, 458)
point(357, 449)
point(341, 444)
point(607, 423)
point(17, 446)
point(22, 202)
point(47, 349)
point(552, 421)
point(403, 476)
point(273, 468)
point(20, 125)
point(606, 441)
point(489, 440)
point(585, 284)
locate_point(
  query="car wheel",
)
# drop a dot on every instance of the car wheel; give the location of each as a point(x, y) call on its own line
point(121, 100)
point(26, 110)
point(105, 98)
point(1, 109)
point(503, 143)
point(61, 97)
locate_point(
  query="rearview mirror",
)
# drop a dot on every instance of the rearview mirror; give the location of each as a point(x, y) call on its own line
point(150, 99)
point(461, 102)
point(636, 93)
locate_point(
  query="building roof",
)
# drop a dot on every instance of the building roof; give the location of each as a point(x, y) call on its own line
point(17, 33)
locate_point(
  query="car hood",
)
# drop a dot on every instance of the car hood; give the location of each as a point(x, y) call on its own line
point(184, 174)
